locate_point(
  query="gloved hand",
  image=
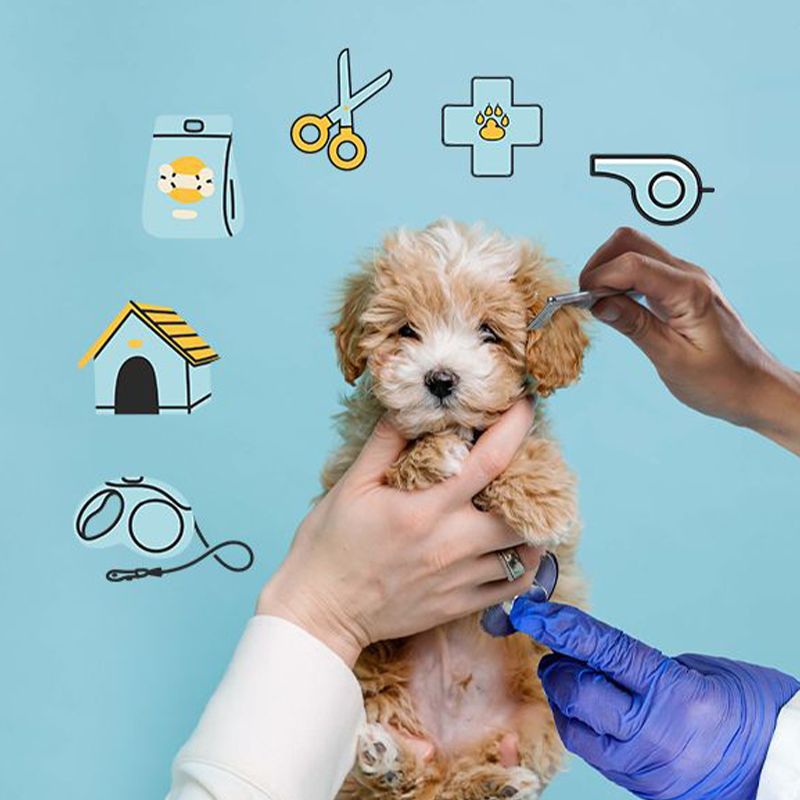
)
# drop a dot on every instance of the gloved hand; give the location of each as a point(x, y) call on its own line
point(689, 727)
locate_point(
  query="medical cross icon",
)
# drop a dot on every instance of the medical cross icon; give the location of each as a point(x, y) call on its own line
point(492, 125)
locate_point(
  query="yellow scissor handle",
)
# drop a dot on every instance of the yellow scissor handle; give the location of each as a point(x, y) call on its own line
point(320, 124)
point(347, 135)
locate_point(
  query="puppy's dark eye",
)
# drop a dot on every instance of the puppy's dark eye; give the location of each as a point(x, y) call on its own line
point(408, 332)
point(488, 334)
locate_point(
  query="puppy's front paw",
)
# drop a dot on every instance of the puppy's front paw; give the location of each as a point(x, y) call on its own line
point(429, 460)
point(535, 495)
point(523, 784)
point(377, 753)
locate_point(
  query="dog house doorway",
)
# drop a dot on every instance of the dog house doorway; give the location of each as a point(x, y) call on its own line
point(136, 391)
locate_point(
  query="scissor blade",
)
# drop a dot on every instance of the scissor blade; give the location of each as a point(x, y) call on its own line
point(373, 87)
point(345, 90)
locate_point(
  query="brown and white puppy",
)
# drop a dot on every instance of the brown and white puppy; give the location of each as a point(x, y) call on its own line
point(435, 326)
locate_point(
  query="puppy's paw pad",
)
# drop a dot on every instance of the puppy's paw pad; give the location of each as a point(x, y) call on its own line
point(377, 752)
point(454, 453)
point(522, 785)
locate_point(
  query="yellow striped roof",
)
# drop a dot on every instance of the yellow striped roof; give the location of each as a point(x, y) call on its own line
point(167, 324)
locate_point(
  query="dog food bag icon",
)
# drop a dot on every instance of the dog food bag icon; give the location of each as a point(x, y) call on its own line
point(191, 187)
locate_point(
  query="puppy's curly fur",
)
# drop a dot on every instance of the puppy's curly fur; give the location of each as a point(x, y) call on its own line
point(435, 327)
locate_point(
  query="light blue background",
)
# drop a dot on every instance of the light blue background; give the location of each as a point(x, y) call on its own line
point(691, 536)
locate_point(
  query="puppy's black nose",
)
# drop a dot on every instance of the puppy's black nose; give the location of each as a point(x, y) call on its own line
point(441, 382)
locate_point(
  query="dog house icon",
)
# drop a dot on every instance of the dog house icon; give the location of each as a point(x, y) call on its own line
point(150, 361)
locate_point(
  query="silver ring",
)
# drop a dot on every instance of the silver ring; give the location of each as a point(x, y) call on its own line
point(512, 563)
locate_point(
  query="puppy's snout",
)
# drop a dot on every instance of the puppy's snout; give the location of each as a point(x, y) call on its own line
point(441, 382)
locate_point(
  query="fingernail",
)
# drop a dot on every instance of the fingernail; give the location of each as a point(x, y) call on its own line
point(610, 312)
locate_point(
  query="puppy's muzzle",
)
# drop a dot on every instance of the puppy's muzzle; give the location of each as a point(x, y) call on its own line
point(441, 382)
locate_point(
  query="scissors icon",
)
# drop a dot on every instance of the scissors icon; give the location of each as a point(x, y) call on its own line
point(341, 114)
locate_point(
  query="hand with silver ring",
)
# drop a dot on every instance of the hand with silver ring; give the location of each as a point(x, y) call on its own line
point(371, 562)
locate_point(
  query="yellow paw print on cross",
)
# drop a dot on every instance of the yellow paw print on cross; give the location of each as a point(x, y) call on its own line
point(493, 123)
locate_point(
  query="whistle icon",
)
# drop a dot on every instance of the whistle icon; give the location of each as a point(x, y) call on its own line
point(666, 189)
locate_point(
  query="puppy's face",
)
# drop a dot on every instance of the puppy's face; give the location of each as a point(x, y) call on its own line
point(439, 319)
point(445, 348)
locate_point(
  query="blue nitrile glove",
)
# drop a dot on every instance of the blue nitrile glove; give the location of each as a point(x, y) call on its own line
point(691, 727)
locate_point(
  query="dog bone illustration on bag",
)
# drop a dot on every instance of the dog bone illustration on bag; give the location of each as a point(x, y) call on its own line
point(191, 188)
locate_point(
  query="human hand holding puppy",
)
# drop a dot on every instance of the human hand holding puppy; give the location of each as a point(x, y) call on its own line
point(702, 350)
point(370, 562)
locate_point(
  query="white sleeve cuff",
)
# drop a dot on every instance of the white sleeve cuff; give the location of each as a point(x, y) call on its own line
point(780, 776)
point(282, 724)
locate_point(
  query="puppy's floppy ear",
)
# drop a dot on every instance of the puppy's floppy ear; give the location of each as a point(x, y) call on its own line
point(356, 293)
point(554, 353)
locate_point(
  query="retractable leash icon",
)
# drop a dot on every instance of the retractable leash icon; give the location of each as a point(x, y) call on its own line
point(150, 518)
point(666, 189)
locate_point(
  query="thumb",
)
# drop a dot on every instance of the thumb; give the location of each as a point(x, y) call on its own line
point(380, 451)
point(636, 322)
